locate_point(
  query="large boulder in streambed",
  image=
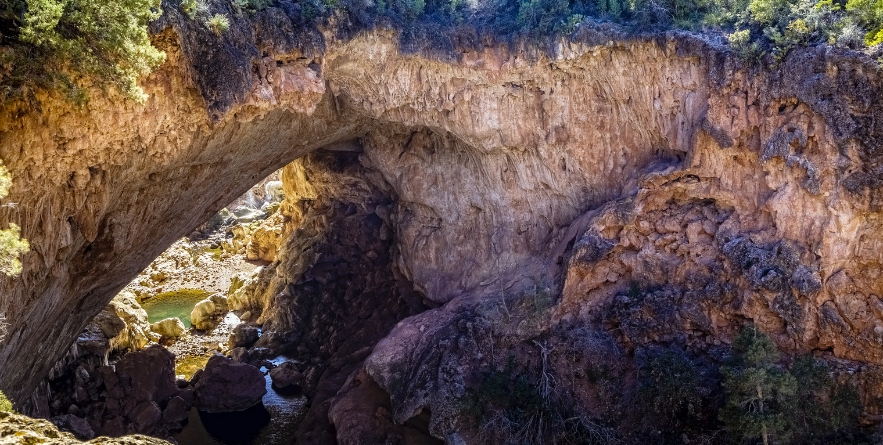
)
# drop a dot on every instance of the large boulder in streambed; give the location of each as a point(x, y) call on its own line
point(285, 375)
point(243, 335)
point(147, 375)
point(169, 329)
point(207, 313)
point(225, 386)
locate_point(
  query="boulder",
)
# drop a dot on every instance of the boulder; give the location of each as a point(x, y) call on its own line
point(77, 426)
point(146, 416)
point(208, 312)
point(239, 355)
point(273, 192)
point(170, 328)
point(176, 410)
point(136, 334)
point(147, 375)
point(113, 427)
point(243, 335)
point(122, 325)
point(226, 386)
point(285, 375)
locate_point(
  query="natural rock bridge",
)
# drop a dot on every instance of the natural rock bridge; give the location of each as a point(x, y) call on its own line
point(615, 160)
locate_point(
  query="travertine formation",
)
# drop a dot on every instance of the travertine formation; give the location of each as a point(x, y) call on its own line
point(663, 167)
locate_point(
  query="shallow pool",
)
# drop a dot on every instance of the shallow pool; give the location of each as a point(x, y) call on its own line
point(176, 303)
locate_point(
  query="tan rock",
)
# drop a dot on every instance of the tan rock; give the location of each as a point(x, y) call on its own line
point(207, 313)
point(170, 328)
point(137, 333)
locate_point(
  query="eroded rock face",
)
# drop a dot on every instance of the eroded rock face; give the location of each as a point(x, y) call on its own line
point(662, 162)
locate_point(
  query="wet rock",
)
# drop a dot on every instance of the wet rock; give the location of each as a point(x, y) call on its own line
point(207, 313)
point(77, 426)
point(227, 386)
point(169, 329)
point(243, 335)
point(239, 355)
point(176, 410)
point(285, 375)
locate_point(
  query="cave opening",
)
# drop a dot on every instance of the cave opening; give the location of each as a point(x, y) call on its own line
point(298, 274)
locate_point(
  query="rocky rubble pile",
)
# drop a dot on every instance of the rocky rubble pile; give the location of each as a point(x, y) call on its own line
point(137, 394)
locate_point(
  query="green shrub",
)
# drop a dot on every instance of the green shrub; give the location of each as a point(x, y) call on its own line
point(12, 246)
point(5, 404)
point(868, 14)
point(800, 405)
point(190, 7)
point(251, 5)
point(219, 23)
point(74, 39)
point(543, 17)
point(741, 42)
point(821, 410)
point(671, 385)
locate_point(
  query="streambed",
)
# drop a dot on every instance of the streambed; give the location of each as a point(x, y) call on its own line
point(274, 423)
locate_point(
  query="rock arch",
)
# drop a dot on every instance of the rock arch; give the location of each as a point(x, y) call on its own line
point(499, 160)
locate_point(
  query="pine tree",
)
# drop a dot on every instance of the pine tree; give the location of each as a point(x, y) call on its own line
point(757, 389)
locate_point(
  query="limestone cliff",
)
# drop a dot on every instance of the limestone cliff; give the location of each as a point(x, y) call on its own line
point(726, 191)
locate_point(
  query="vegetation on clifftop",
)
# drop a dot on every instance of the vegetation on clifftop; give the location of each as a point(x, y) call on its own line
point(70, 45)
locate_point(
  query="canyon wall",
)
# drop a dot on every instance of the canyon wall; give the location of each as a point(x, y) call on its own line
point(722, 191)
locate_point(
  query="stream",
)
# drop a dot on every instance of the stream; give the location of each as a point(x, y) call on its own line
point(272, 423)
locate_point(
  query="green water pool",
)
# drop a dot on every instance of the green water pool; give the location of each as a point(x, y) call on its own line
point(177, 303)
